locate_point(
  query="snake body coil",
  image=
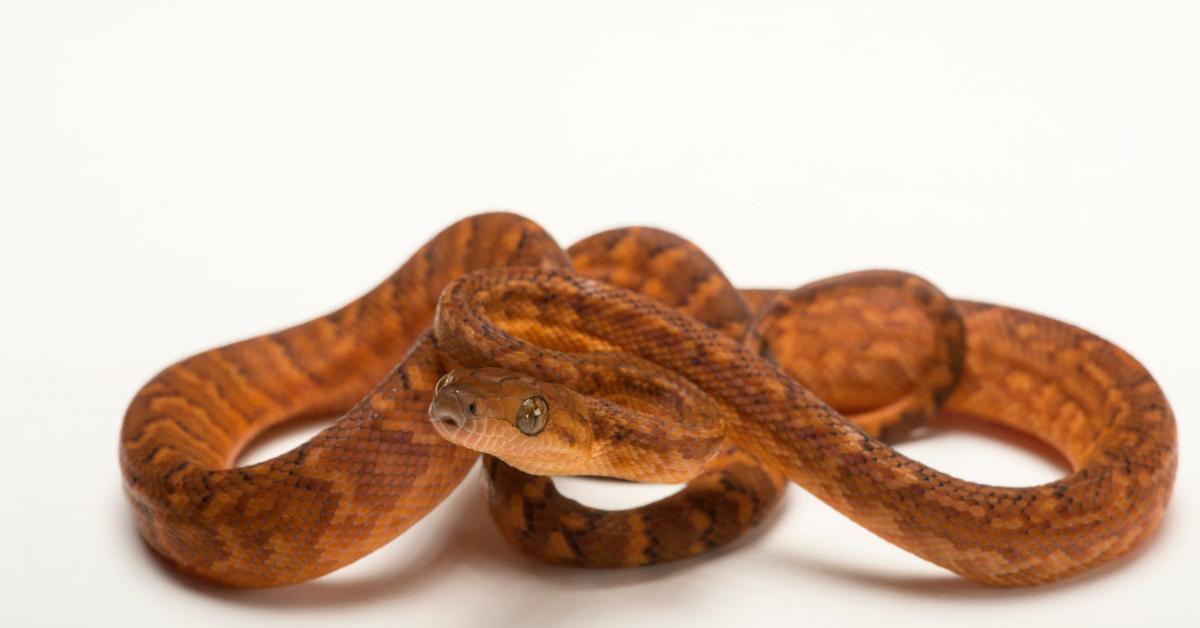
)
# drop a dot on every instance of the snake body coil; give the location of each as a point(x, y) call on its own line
point(513, 304)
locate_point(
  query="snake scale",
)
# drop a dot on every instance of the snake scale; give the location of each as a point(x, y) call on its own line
point(645, 363)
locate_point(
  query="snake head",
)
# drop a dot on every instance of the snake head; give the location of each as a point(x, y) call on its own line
point(529, 424)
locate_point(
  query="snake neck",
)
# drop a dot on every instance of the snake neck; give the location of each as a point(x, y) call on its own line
point(647, 447)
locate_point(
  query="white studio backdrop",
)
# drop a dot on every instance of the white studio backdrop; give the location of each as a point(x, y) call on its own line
point(174, 176)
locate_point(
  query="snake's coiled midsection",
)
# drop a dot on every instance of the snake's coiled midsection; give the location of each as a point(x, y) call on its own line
point(1085, 396)
point(906, 339)
point(380, 466)
point(377, 470)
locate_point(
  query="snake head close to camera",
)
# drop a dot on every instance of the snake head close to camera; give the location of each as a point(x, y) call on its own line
point(547, 429)
point(534, 426)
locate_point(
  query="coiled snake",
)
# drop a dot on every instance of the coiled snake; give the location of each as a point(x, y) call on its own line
point(553, 371)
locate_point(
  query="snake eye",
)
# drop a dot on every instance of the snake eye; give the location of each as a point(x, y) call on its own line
point(448, 378)
point(532, 415)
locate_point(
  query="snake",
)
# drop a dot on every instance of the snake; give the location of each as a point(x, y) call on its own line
point(910, 357)
point(490, 304)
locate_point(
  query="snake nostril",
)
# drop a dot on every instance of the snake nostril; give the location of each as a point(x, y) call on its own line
point(447, 410)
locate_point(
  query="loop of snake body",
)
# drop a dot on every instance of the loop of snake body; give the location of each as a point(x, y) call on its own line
point(512, 304)
point(908, 356)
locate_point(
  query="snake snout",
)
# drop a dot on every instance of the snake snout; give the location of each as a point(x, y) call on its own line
point(450, 407)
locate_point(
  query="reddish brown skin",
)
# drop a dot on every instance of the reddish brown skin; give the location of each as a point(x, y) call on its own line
point(1082, 394)
point(909, 373)
point(380, 466)
point(355, 486)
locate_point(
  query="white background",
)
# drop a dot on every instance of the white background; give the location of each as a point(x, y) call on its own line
point(176, 175)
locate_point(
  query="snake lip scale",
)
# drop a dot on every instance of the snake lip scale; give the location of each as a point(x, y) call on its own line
point(631, 355)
